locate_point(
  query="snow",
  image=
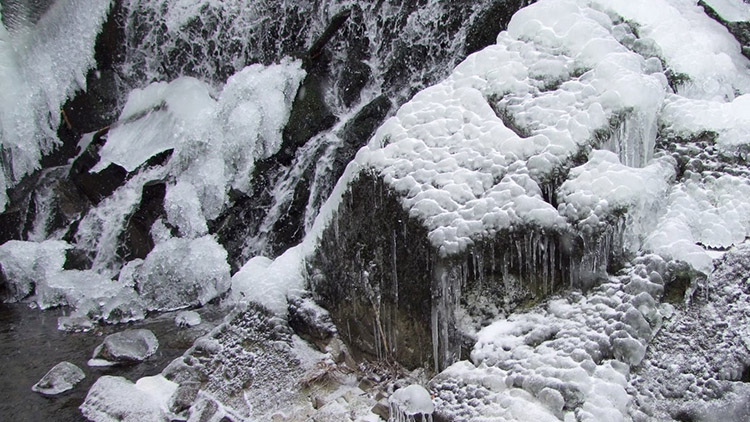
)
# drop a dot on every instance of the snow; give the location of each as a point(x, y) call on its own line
point(451, 153)
point(731, 10)
point(113, 399)
point(269, 282)
point(409, 401)
point(61, 378)
point(730, 121)
point(180, 272)
point(596, 192)
point(40, 67)
point(711, 212)
point(574, 351)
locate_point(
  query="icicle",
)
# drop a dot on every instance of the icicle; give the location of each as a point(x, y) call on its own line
point(394, 268)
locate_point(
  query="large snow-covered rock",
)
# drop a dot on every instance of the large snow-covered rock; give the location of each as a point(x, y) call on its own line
point(113, 399)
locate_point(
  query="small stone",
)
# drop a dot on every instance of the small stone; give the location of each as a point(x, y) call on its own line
point(381, 409)
point(62, 377)
point(187, 319)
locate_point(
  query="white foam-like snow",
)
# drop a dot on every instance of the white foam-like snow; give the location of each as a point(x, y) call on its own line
point(692, 44)
point(731, 10)
point(40, 67)
point(269, 282)
point(573, 351)
point(409, 401)
point(713, 212)
point(603, 188)
point(729, 120)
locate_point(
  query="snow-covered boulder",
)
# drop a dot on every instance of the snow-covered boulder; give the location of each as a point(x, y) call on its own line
point(113, 399)
point(61, 378)
point(125, 347)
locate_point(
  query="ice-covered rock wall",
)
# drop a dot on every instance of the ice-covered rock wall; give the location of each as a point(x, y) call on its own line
point(535, 163)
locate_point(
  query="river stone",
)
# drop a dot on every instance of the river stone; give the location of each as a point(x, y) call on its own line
point(129, 346)
point(62, 377)
point(187, 319)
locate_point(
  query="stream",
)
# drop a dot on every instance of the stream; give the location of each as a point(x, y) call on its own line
point(31, 344)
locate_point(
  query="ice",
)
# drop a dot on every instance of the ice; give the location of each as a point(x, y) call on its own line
point(269, 282)
point(61, 378)
point(113, 399)
point(565, 359)
point(155, 119)
point(40, 67)
point(180, 272)
point(125, 347)
point(408, 402)
point(183, 209)
point(730, 121)
point(25, 264)
point(253, 109)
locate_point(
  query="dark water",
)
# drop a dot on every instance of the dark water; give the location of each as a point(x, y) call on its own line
point(30, 345)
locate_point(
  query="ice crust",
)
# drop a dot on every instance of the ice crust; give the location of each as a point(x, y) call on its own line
point(61, 378)
point(571, 353)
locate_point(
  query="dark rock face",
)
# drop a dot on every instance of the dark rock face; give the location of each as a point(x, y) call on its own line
point(135, 239)
point(394, 297)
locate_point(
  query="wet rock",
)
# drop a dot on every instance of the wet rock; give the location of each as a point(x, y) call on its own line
point(491, 21)
point(310, 321)
point(135, 239)
point(62, 377)
point(125, 347)
point(95, 186)
point(381, 409)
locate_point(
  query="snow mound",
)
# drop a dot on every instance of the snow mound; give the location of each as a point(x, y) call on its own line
point(269, 282)
point(178, 273)
point(731, 10)
point(712, 212)
point(407, 402)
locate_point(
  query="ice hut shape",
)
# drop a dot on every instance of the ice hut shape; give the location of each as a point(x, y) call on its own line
point(459, 194)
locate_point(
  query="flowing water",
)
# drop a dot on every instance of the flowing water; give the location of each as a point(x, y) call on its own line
point(30, 345)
